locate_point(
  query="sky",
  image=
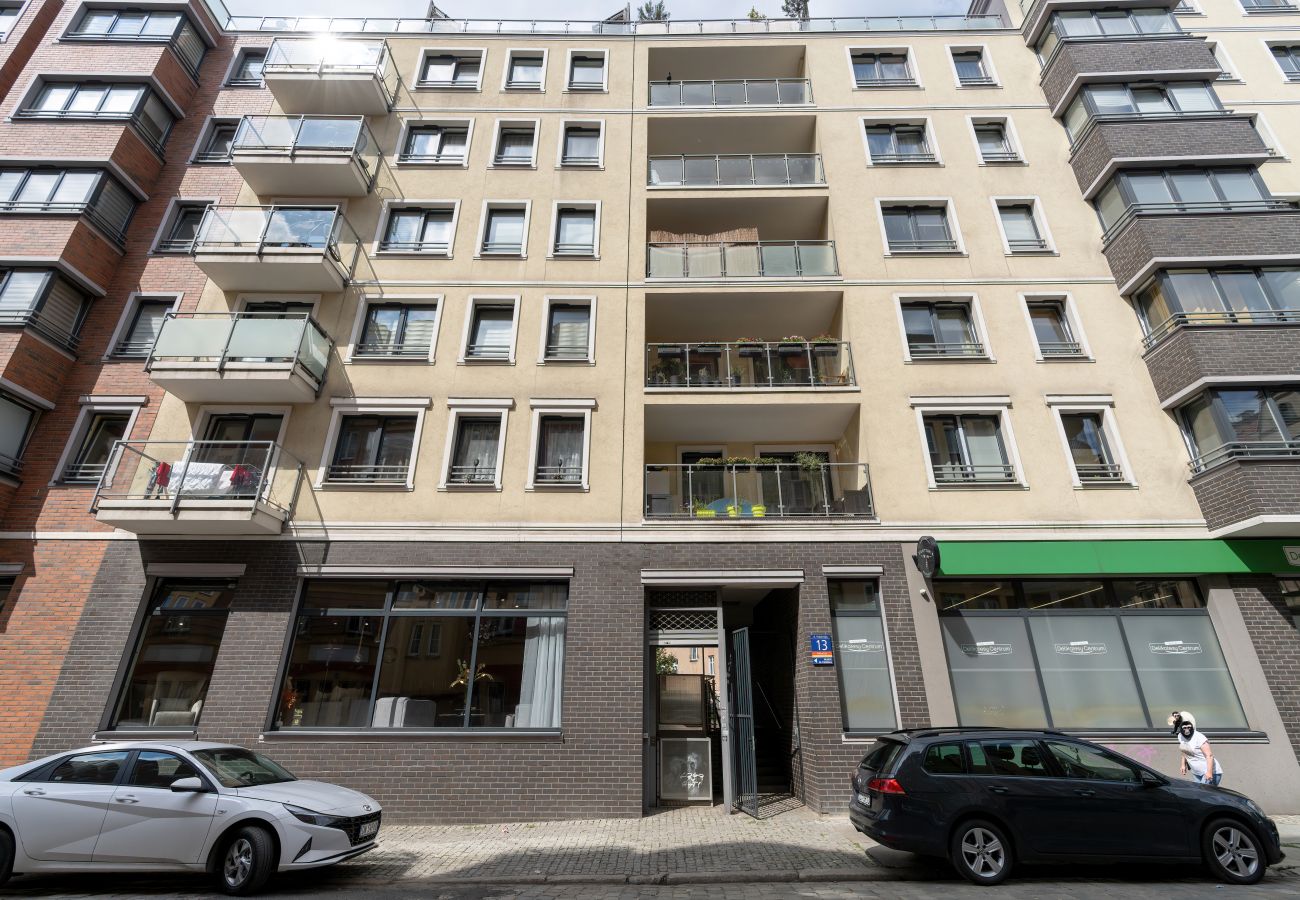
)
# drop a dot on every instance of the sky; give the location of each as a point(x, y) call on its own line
point(586, 9)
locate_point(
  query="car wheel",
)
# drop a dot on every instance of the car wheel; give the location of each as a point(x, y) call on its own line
point(1232, 852)
point(981, 852)
point(246, 862)
point(6, 855)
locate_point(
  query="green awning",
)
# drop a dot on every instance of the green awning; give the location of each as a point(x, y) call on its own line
point(1197, 557)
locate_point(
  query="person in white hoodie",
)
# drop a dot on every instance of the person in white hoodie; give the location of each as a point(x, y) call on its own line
point(1197, 755)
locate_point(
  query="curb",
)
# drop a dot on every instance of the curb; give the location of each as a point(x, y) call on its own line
point(746, 876)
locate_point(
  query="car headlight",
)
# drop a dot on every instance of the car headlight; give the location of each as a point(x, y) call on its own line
point(312, 818)
point(1254, 807)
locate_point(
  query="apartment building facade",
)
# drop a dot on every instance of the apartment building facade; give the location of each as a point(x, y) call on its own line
point(535, 420)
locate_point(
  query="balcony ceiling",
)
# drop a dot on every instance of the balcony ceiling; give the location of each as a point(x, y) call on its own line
point(740, 423)
point(718, 61)
point(677, 318)
point(676, 135)
point(789, 219)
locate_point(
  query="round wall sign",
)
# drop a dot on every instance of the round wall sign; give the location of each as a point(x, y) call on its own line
point(927, 556)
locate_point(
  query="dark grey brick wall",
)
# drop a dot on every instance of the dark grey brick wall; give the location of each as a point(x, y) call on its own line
point(1277, 643)
point(1242, 489)
point(593, 770)
point(1273, 235)
point(1096, 60)
point(1182, 139)
point(1189, 354)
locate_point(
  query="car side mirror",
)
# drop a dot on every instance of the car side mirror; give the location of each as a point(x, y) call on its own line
point(1150, 779)
point(192, 785)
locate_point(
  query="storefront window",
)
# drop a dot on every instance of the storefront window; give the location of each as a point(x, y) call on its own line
point(172, 664)
point(426, 655)
point(1291, 595)
point(1084, 654)
point(862, 657)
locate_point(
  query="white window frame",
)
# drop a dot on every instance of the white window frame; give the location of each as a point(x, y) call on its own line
point(133, 301)
point(999, 406)
point(497, 126)
point(589, 300)
point(405, 132)
point(1008, 129)
point(381, 228)
point(950, 209)
point(593, 205)
point(986, 61)
point(1269, 137)
point(1269, 44)
point(568, 70)
point(474, 302)
point(1087, 403)
point(360, 406)
point(976, 317)
point(236, 59)
point(1231, 74)
point(1071, 311)
point(21, 7)
point(931, 138)
point(359, 325)
point(1035, 204)
point(525, 51)
point(916, 84)
point(474, 407)
point(573, 409)
point(90, 406)
point(169, 217)
point(1195, 9)
point(488, 206)
point(205, 133)
point(426, 52)
point(581, 123)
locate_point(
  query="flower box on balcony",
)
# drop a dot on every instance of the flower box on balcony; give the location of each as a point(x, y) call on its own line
point(791, 349)
point(671, 352)
point(709, 350)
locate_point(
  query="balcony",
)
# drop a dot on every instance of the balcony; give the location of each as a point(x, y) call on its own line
point(1151, 236)
point(1169, 57)
point(732, 92)
point(742, 259)
point(1038, 12)
point(752, 365)
point(215, 488)
point(736, 170)
point(1250, 489)
point(758, 489)
point(317, 156)
point(240, 357)
point(276, 248)
point(331, 76)
point(1190, 347)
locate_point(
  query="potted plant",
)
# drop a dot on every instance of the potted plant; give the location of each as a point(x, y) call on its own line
point(750, 348)
point(825, 345)
point(668, 371)
point(737, 376)
point(809, 462)
point(702, 510)
point(792, 345)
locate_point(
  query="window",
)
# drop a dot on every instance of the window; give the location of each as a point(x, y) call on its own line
point(1083, 654)
point(1084, 23)
point(90, 768)
point(971, 69)
point(1021, 759)
point(1288, 60)
point(419, 230)
point(134, 103)
point(216, 142)
point(587, 70)
point(1176, 98)
point(398, 330)
point(560, 458)
point(581, 144)
point(1052, 330)
point(940, 329)
point(94, 444)
point(247, 70)
point(1089, 448)
point(1290, 588)
point(568, 331)
point(918, 229)
point(146, 320)
point(944, 759)
point(437, 144)
point(905, 143)
point(882, 69)
point(476, 440)
point(94, 193)
point(500, 659)
point(967, 449)
point(516, 144)
point(995, 143)
point(158, 770)
point(525, 70)
point(9, 18)
point(170, 670)
point(373, 449)
point(17, 419)
point(858, 629)
point(1225, 63)
point(1234, 423)
point(461, 71)
point(180, 227)
point(43, 301)
point(1180, 191)
point(1267, 6)
point(505, 230)
point(1082, 761)
point(491, 332)
point(1185, 297)
point(1020, 229)
point(1267, 137)
point(172, 27)
point(577, 230)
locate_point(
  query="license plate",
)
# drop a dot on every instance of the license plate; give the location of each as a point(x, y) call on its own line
point(864, 799)
point(369, 828)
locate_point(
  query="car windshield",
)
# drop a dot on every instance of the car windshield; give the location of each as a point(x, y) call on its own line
point(236, 767)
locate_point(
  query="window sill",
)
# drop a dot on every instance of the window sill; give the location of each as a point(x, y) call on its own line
point(558, 488)
point(588, 167)
point(368, 487)
point(1032, 253)
point(587, 257)
point(387, 360)
point(520, 89)
point(500, 255)
point(582, 90)
point(410, 254)
point(471, 488)
point(1121, 485)
point(908, 254)
point(430, 164)
point(902, 164)
point(923, 360)
point(985, 486)
point(528, 166)
point(146, 734)
point(585, 361)
point(1066, 359)
point(910, 86)
point(485, 361)
point(1003, 162)
point(458, 89)
point(496, 734)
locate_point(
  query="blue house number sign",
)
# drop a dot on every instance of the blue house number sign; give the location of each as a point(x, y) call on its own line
point(822, 652)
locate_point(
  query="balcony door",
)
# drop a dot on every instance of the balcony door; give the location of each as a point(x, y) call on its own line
point(793, 489)
point(703, 486)
point(235, 465)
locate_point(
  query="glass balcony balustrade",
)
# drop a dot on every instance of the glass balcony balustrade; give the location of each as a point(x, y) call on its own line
point(742, 259)
point(776, 365)
point(758, 490)
point(736, 170)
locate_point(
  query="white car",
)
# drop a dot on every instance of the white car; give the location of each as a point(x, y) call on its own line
point(158, 806)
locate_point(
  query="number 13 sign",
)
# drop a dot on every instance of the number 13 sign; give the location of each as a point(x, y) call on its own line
point(822, 652)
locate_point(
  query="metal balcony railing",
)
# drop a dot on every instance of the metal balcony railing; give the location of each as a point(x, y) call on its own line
point(1099, 472)
point(945, 349)
point(966, 473)
point(220, 339)
point(908, 80)
point(775, 365)
point(487, 351)
point(976, 80)
point(915, 158)
point(53, 327)
point(732, 92)
point(932, 245)
point(10, 465)
point(742, 259)
point(1027, 245)
point(999, 156)
point(279, 229)
point(1245, 450)
point(558, 474)
point(1060, 348)
point(307, 136)
point(1237, 317)
point(328, 57)
point(758, 490)
point(83, 473)
point(1138, 210)
point(394, 473)
point(183, 40)
point(470, 474)
point(736, 170)
point(417, 349)
point(227, 474)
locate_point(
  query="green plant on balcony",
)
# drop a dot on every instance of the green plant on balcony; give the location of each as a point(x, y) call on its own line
point(668, 372)
point(809, 462)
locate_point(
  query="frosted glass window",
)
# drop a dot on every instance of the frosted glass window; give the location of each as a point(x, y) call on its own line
point(1176, 657)
point(993, 674)
point(1086, 674)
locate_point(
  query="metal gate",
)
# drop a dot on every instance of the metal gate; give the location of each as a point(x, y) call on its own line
point(743, 759)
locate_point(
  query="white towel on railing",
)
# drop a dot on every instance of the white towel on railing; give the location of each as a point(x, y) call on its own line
point(202, 477)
